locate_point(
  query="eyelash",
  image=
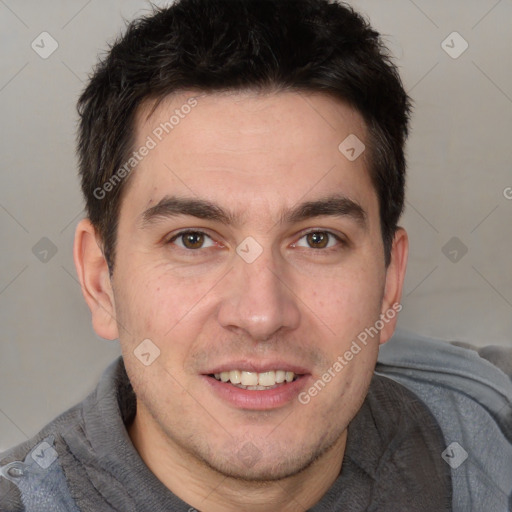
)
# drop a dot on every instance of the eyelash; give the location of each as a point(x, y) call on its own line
point(343, 243)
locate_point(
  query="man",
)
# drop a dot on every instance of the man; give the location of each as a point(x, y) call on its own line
point(243, 168)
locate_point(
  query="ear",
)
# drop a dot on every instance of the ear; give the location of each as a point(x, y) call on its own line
point(395, 275)
point(93, 274)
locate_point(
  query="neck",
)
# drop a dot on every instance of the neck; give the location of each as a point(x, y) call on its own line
point(206, 489)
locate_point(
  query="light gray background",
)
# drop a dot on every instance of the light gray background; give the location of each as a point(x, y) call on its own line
point(459, 175)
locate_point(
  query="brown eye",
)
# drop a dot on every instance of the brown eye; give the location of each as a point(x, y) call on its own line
point(317, 239)
point(192, 240)
point(321, 240)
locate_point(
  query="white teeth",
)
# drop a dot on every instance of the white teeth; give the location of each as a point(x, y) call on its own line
point(267, 379)
point(254, 380)
point(280, 376)
point(249, 379)
point(235, 377)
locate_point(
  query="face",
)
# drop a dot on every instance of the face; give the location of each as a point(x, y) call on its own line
point(249, 253)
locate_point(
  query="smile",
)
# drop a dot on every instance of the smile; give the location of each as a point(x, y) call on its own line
point(256, 390)
point(255, 381)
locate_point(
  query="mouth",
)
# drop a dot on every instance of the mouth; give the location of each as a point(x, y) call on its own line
point(257, 387)
point(256, 381)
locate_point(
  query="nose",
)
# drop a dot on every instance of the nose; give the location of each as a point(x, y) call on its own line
point(258, 299)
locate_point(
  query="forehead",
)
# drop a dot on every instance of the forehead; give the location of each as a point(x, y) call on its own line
point(255, 149)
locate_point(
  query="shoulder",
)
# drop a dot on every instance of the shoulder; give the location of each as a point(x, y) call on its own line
point(31, 474)
point(393, 458)
point(409, 434)
point(471, 400)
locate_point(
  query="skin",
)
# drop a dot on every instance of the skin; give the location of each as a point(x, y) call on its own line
point(256, 156)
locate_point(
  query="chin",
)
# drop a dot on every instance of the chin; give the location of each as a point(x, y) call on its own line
point(268, 464)
point(261, 472)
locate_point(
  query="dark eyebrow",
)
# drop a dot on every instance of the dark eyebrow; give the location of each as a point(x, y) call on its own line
point(172, 206)
point(333, 206)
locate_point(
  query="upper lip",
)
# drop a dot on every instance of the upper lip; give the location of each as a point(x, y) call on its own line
point(257, 366)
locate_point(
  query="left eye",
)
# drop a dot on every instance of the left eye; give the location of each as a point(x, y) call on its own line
point(191, 240)
point(319, 240)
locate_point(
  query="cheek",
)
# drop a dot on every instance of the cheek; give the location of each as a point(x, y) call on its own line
point(153, 302)
point(347, 300)
point(160, 389)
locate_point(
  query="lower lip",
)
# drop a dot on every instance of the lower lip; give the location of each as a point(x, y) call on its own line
point(257, 399)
